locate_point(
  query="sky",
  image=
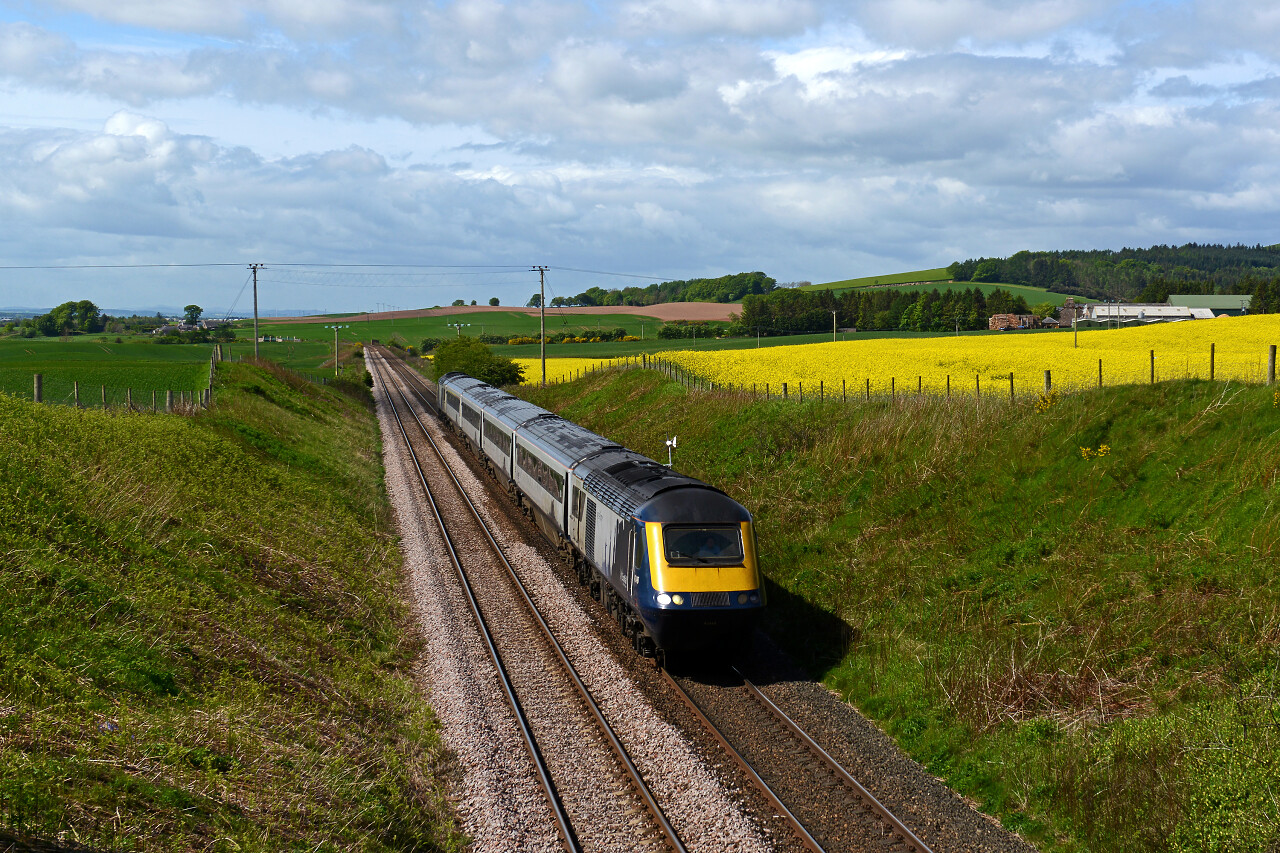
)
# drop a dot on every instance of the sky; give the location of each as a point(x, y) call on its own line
point(382, 153)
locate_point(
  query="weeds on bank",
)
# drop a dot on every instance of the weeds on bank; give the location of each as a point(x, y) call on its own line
point(1080, 637)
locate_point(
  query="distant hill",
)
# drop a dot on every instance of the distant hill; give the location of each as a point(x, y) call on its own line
point(1131, 274)
point(940, 274)
point(726, 288)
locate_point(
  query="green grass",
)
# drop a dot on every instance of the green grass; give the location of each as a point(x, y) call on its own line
point(413, 330)
point(202, 645)
point(939, 275)
point(1085, 646)
point(138, 363)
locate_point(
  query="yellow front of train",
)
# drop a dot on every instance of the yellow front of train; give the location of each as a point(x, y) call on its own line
point(703, 588)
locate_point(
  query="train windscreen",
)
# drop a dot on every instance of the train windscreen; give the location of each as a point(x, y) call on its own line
point(691, 545)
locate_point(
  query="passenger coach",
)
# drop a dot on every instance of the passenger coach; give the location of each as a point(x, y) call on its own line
point(673, 558)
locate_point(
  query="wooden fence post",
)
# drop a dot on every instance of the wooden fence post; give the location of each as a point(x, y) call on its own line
point(168, 401)
point(868, 389)
point(1211, 348)
point(75, 391)
point(1271, 366)
point(919, 385)
point(1099, 373)
point(1153, 367)
point(38, 387)
point(948, 386)
point(893, 389)
point(784, 390)
point(104, 397)
point(1010, 386)
point(1048, 382)
point(977, 386)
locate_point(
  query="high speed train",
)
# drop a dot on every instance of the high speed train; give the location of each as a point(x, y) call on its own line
point(672, 558)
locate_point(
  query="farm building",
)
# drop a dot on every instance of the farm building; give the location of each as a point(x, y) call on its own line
point(1138, 314)
point(1233, 305)
point(1009, 322)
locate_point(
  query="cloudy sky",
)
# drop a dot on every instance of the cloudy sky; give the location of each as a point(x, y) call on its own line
point(471, 139)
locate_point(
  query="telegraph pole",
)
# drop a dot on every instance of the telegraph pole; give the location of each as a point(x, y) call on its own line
point(542, 319)
point(335, 346)
point(255, 268)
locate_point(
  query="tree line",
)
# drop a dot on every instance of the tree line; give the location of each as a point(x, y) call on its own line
point(1128, 273)
point(792, 311)
point(83, 317)
point(726, 288)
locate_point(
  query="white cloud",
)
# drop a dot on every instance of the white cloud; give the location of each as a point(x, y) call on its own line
point(933, 24)
point(804, 138)
point(771, 18)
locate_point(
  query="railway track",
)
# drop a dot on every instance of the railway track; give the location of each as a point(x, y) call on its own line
point(800, 785)
point(825, 807)
point(598, 796)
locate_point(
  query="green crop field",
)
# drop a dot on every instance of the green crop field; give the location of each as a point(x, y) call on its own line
point(413, 330)
point(939, 274)
point(138, 363)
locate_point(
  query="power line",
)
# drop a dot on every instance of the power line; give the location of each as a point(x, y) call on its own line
point(618, 274)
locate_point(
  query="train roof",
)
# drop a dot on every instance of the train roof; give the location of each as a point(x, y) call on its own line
point(564, 440)
point(632, 485)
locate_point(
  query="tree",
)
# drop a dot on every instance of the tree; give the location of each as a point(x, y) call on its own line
point(493, 300)
point(458, 302)
point(470, 356)
point(191, 314)
point(535, 301)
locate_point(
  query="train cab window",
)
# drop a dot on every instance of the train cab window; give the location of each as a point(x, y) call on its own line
point(692, 545)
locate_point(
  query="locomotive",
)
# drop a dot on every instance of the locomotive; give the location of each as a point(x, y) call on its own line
point(672, 558)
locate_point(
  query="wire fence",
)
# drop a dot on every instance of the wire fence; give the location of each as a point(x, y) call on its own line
point(976, 386)
point(62, 390)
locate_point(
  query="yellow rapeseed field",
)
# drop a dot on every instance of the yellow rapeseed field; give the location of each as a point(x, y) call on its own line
point(1181, 350)
point(559, 369)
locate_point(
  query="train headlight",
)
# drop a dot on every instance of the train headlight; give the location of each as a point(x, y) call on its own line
point(664, 599)
point(755, 598)
point(742, 598)
point(677, 599)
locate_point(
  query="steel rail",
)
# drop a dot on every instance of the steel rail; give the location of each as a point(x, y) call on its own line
point(797, 827)
point(563, 824)
point(870, 802)
point(634, 772)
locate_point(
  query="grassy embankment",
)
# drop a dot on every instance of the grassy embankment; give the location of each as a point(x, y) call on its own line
point(201, 645)
point(1069, 611)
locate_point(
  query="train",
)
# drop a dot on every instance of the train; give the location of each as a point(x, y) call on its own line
point(673, 559)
